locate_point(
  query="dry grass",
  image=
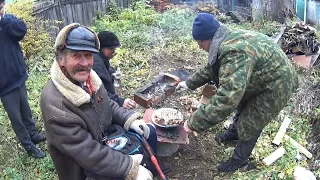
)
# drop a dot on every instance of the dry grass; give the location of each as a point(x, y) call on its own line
point(307, 98)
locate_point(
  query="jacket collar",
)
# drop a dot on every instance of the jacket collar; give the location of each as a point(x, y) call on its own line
point(217, 39)
point(105, 59)
point(74, 93)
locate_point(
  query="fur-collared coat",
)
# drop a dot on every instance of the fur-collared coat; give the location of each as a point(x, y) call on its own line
point(75, 123)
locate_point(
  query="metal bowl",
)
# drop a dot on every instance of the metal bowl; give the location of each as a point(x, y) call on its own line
point(167, 114)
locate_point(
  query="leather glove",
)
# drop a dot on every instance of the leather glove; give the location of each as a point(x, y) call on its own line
point(182, 86)
point(141, 128)
point(144, 174)
point(138, 172)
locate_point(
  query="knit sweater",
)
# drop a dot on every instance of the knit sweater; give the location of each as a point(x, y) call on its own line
point(12, 65)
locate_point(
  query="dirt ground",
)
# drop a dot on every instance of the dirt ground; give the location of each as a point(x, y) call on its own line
point(315, 148)
point(199, 159)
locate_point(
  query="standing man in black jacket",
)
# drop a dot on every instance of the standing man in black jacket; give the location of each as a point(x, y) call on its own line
point(13, 74)
point(108, 44)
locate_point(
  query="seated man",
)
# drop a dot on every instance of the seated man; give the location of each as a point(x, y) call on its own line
point(108, 44)
point(78, 115)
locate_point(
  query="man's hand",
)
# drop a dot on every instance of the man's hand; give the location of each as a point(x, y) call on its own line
point(182, 86)
point(143, 173)
point(186, 127)
point(129, 104)
point(2, 10)
point(141, 128)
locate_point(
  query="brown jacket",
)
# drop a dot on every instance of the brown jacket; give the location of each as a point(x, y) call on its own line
point(74, 127)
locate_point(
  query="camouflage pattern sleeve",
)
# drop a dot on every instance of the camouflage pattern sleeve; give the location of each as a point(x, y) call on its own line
point(200, 78)
point(234, 77)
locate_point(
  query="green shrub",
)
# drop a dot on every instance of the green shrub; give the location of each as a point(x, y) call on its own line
point(36, 45)
point(128, 24)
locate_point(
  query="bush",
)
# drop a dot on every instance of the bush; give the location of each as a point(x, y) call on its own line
point(129, 24)
point(37, 46)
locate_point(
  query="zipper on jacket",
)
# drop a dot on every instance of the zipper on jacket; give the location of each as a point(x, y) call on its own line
point(95, 109)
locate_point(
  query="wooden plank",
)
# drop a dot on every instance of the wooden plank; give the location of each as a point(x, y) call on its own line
point(274, 156)
point(99, 3)
point(103, 7)
point(54, 14)
point(65, 15)
point(75, 13)
point(85, 10)
point(79, 13)
point(61, 13)
point(90, 12)
point(282, 131)
point(69, 13)
point(299, 147)
point(94, 7)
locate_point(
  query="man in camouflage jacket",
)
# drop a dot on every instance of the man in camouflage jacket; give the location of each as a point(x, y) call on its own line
point(253, 76)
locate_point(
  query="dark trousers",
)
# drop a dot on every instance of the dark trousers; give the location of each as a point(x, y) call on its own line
point(243, 149)
point(153, 139)
point(19, 112)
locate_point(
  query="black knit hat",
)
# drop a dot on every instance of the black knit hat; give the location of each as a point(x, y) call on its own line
point(108, 39)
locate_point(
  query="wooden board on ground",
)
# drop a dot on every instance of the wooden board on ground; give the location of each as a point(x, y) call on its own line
point(282, 131)
point(299, 147)
point(274, 156)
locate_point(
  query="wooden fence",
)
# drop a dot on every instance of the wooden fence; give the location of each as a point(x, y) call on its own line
point(63, 12)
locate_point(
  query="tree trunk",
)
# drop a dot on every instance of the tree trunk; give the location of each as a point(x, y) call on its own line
point(275, 10)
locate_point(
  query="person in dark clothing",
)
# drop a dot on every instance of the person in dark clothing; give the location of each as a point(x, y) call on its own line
point(13, 91)
point(109, 42)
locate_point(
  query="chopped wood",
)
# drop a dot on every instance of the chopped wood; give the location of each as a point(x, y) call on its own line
point(204, 99)
point(299, 39)
point(282, 131)
point(299, 147)
point(274, 156)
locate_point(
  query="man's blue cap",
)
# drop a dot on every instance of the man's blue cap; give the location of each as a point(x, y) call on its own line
point(204, 27)
point(81, 39)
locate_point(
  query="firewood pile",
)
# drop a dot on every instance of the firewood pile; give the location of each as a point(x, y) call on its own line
point(300, 39)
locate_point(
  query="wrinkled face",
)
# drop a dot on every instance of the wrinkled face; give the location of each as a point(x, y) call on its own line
point(2, 8)
point(204, 44)
point(109, 52)
point(77, 64)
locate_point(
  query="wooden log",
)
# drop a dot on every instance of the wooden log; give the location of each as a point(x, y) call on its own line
point(282, 131)
point(299, 147)
point(274, 156)
point(204, 99)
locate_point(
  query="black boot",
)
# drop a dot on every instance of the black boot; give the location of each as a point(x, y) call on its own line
point(165, 167)
point(231, 165)
point(36, 152)
point(38, 138)
point(240, 156)
point(229, 135)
